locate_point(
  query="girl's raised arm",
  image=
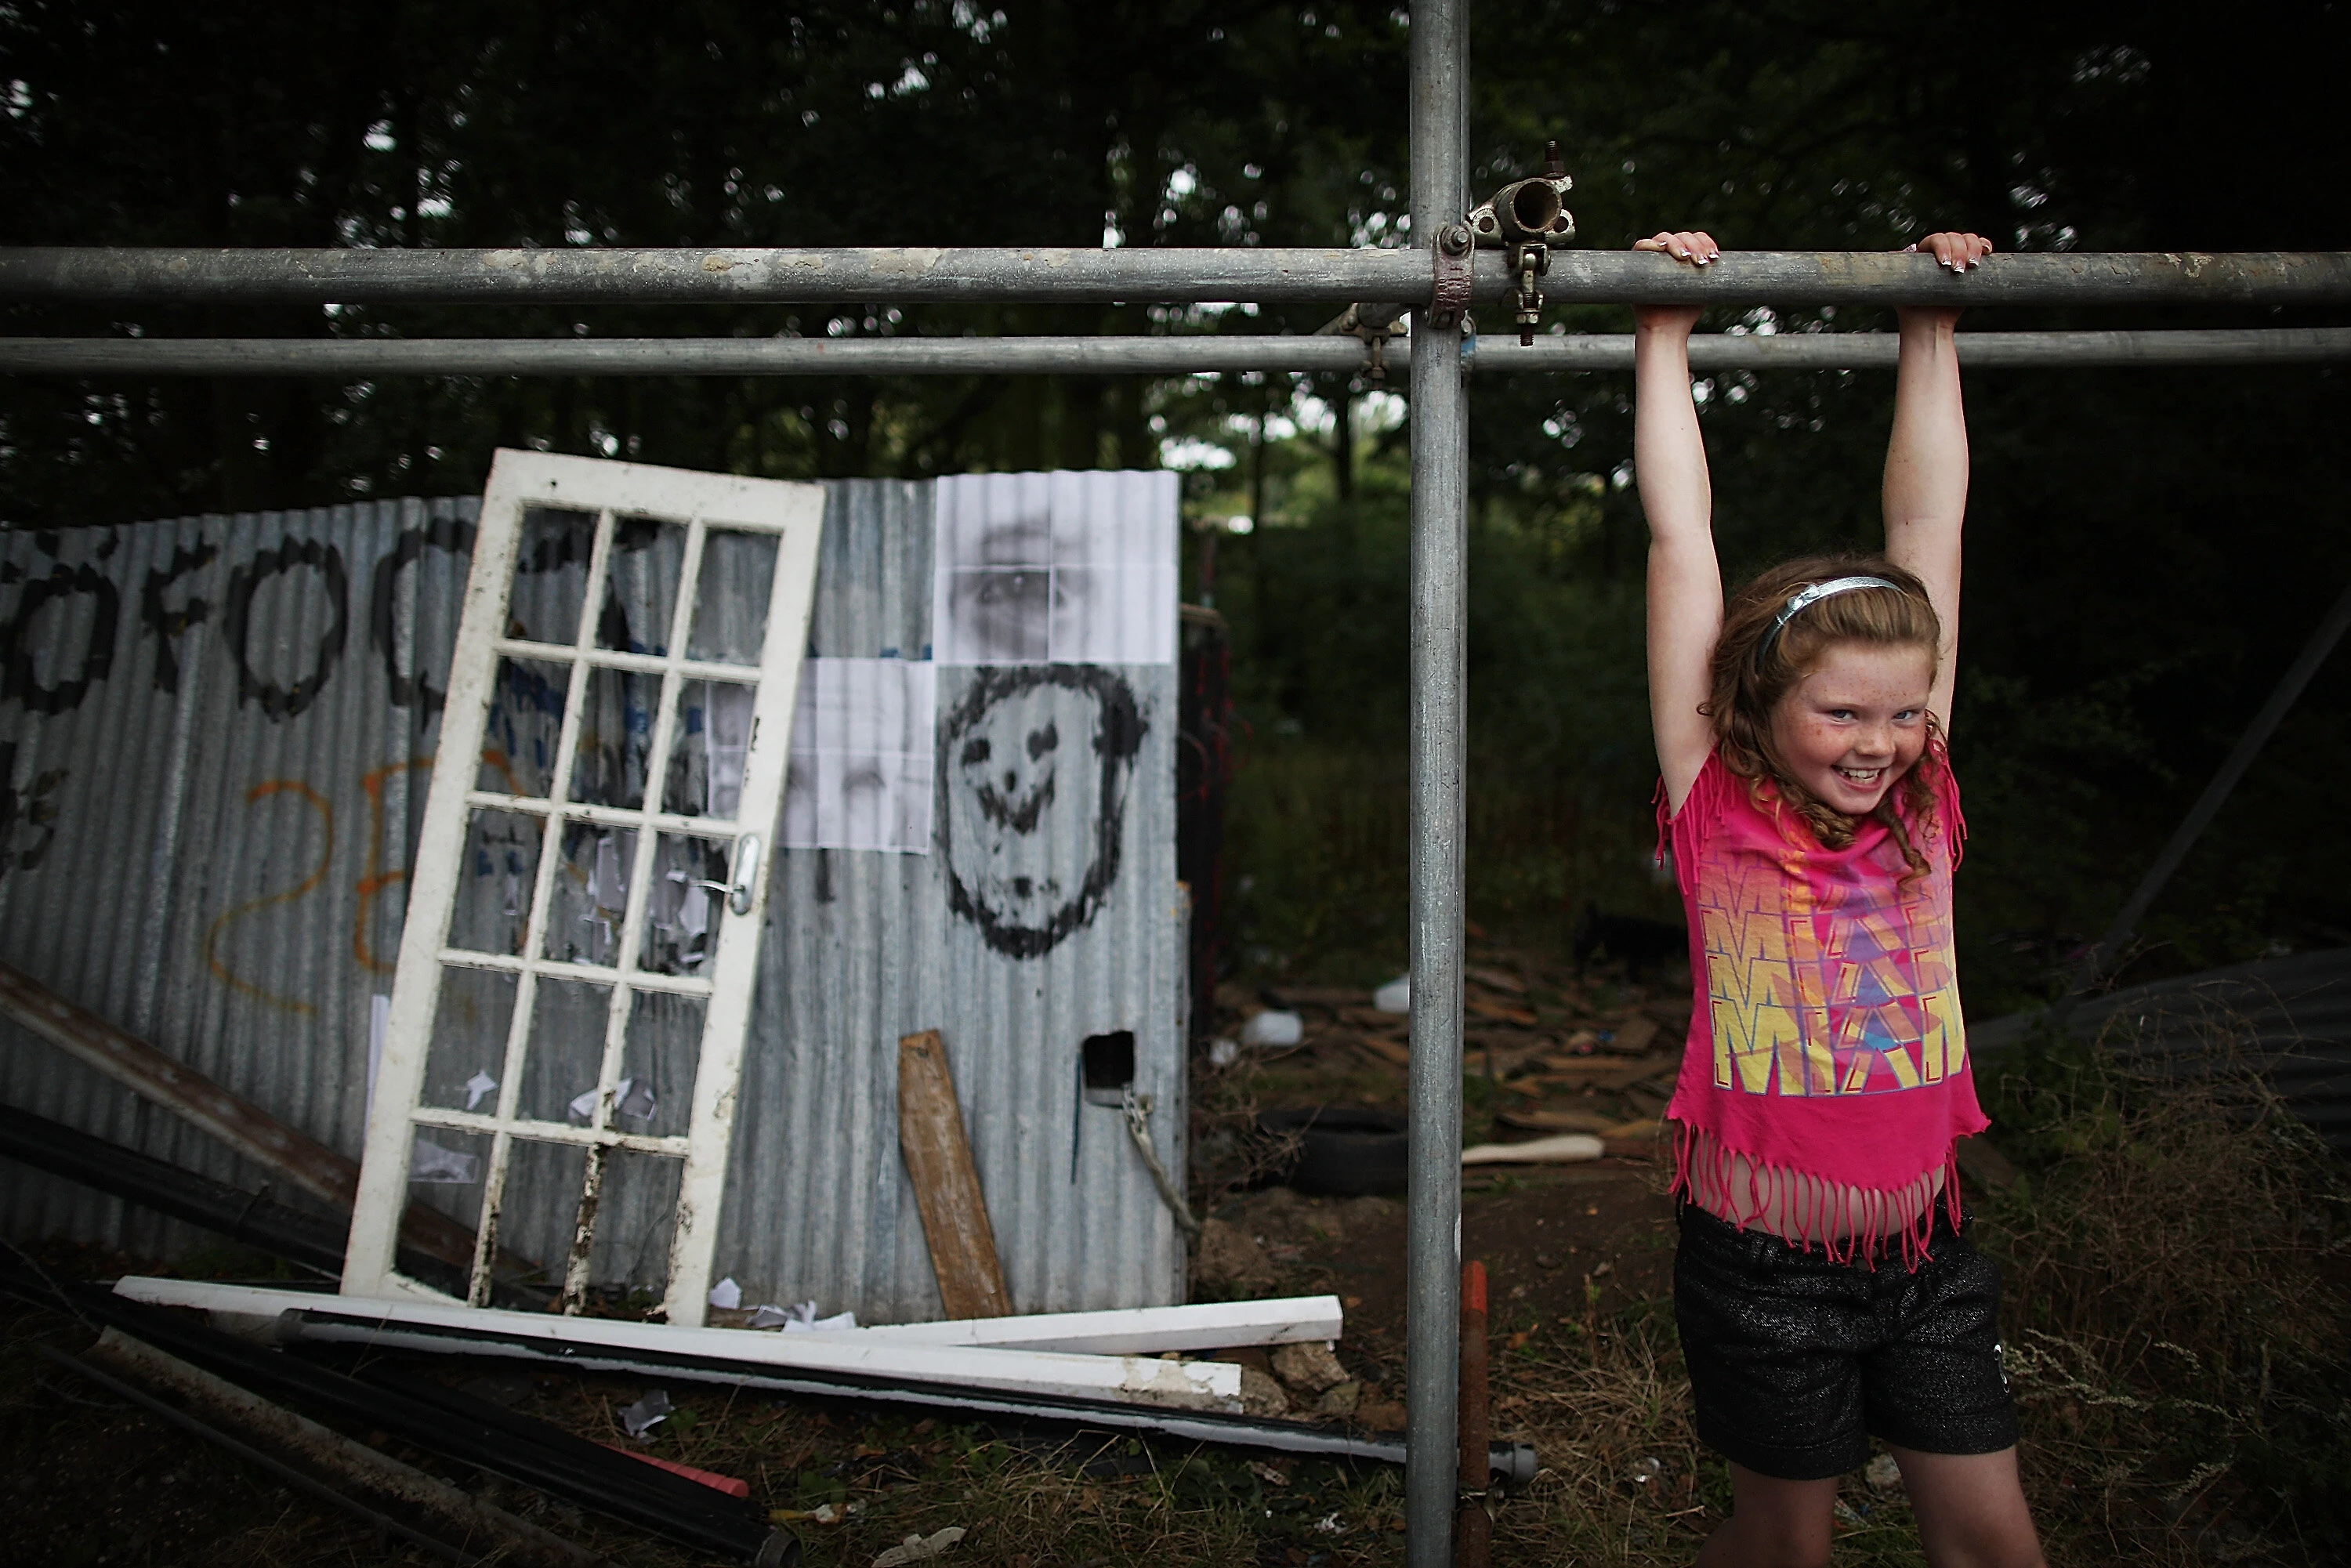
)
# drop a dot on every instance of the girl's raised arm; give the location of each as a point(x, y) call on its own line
point(1927, 460)
point(1685, 580)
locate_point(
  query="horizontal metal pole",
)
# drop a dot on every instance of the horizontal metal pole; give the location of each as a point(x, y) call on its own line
point(1879, 351)
point(1368, 275)
point(356, 357)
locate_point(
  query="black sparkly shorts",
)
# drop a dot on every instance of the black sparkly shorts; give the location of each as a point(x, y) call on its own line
point(1795, 1360)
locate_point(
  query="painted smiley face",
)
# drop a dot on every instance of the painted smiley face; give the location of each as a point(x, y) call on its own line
point(1037, 761)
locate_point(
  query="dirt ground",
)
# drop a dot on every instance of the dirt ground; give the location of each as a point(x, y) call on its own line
point(1578, 1257)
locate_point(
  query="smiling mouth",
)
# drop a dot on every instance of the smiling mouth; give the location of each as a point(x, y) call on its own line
point(1860, 777)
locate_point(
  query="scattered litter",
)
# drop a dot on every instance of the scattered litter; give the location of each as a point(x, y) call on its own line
point(438, 1166)
point(479, 1084)
point(1267, 1474)
point(731, 1485)
point(1883, 1473)
point(1274, 1028)
point(1309, 1366)
point(1848, 1516)
point(646, 1413)
point(1329, 1525)
point(1648, 1471)
point(727, 1295)
point(1395, 997)
point(1224, 1052)
point(915, 1548)
point(803, 1317)
point(1564, 1149)
point(822, 1513)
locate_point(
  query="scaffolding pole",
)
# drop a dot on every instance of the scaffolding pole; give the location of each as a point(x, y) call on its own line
point(1369, 274)
point(1440, 791)
point(357, 358)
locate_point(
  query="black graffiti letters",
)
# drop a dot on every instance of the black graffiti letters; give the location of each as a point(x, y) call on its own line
point(36, 807)
point(19, 676)
point(410, 690)
point(280, 702)
point(1034, 821)
point(167, 625)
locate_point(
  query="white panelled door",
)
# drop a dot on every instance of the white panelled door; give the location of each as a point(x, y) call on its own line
point(576, 970)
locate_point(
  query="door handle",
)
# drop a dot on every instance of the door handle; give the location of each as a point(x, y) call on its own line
point(744, 873)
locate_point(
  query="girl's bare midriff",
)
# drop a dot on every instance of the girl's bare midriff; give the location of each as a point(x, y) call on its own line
point(1801, 1208)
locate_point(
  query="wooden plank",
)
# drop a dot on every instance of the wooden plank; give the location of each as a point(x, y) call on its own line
point(1133, 1330)
point(946, 1185)
point(1601, 1071)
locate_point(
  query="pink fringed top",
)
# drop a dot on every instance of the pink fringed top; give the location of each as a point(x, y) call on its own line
point(1825, 1085)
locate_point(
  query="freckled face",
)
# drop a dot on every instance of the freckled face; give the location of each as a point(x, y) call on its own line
point(1856, 722)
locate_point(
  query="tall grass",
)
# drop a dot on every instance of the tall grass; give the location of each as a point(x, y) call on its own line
point(1317, 856)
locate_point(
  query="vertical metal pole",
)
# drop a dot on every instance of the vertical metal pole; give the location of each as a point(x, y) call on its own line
point(1440, 463)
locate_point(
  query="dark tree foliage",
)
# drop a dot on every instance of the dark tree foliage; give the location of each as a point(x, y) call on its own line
point(2146, 548)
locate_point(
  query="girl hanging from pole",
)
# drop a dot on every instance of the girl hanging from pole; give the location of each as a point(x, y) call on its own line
point(1825, 1288)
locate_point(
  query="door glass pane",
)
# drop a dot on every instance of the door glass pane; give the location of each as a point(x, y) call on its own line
point(525, 725)
point(682, 915)
point(446, 1169)
point(469, 1048)
point(541, 1202)
point(592, 894)
point(566, 1051)
point(551, 575)
point(730, 600)
point(641, 586)
point(706, 751)
point(615, 730)
point(664, 1045)
point(493, 891)
point(634, 1218)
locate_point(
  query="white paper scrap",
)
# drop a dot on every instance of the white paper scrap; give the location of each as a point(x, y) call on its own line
point(727, 734)
point(433, 1166)
point(629, 1097)
point(479, 1084)
point(861, 755)
point(918, 1548)
point(647, 1412)
point(1061, 568)
point(727, 1295)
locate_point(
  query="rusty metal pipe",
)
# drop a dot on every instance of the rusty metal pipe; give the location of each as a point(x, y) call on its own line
point(1373, 275)
point(1473, 1527)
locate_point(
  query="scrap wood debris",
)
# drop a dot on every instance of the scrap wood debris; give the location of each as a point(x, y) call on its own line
point(1564, 1049)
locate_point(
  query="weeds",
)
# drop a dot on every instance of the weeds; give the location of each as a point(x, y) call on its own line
point(2176, 1316)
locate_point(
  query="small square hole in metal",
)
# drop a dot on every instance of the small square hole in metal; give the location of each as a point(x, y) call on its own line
point(1108, 1062)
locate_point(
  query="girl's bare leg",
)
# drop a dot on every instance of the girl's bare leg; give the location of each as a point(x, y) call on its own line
point(1773, 1523)
point(1970, 1509)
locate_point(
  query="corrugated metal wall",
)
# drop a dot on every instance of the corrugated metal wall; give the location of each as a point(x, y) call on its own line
point(214, 738)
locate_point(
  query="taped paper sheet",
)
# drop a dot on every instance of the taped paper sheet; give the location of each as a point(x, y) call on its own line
point(861, 755)
point(1064, 568)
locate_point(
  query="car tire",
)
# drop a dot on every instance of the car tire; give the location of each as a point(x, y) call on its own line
point(1343, 1151)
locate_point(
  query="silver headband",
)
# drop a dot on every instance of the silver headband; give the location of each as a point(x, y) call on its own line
point(1805, 599)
